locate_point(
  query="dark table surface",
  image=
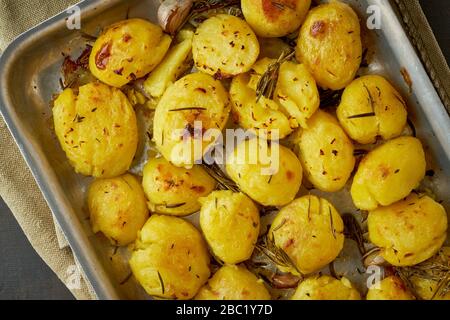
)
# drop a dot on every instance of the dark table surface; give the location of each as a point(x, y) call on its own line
point(23, 275)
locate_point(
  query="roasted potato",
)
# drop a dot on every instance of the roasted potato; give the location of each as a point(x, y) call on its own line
point(97, 129)
point(274, 181)
point(390, 288)
point(175, 191)
point(410, 231)
point(194, 99)
point(233, 283)
point(371, 107)
point(388, 173)
point(272, 48)
point(326, 153)
point(326, 288)
point(230, 224)
point(117, 208)
point(310, 231)
point(330, 45)
point(275, 18)
point(224, 46)
point(171, 259)
point(127, 50)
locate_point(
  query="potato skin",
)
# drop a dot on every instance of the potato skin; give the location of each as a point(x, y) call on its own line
point(233, 282)
point(388, 173)
point(277, 189)
point(372, 94)
point(230, 224)
point(127, 50)
point(171, 258)
point(97, 129)
point(409, 231)
point(310, 231)
point(275, 20)
point(326, 153)
point(195, 97)
point(330, 45)
point(326, 288)
point(224, 46)
point(390, 288)
point(117, 208)
point(167, 186)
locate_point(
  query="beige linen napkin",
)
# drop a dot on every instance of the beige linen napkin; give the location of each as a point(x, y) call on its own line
point(18, 188)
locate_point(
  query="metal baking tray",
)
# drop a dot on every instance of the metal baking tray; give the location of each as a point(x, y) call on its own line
point(30, 72)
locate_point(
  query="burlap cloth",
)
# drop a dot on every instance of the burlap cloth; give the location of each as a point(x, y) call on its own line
point(17, 186)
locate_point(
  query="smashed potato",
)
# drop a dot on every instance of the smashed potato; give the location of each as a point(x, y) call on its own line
point(230, 224)
point(390, 288)
point(330, 45)
point(326, 288)
point(194, 99)
point(388, 173)
point(170, 259)
point(117, 208)
point(310, 231)
point(127, 50)
point(233, 283)
point(371, 107)
point(175, 191)
point(97, 129)
point(224, 46)
point(409, 231)
point(275, 18)
point(274, 182)
point(326, 153)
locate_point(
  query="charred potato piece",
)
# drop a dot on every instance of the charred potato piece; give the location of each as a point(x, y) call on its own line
point(390, 288)
point(326, 288)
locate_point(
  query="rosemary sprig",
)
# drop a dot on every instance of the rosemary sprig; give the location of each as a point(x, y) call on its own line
point(353, 231)
point(267, 84)
point(163, 289)
point(188, 109)
point(223, 181)
point(362, 115)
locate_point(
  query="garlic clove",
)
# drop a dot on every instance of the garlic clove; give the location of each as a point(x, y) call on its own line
point(172, 14)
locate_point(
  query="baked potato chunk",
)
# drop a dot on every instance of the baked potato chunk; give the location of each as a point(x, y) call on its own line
point(388, 173)
point(326, 288)
point(194, 99)
point(310, 231)
point(371, 107)
point(175, 191)
point(97, 129)
point(233, 282)
point(409, 231)
point(326, 153)
point(275, 19)
point(171, 259)
point(330, 45)
point(274, 182)
point(230, 224)
point(117, 208)
point(390, 288)
point(224, 46)
point(127, 50)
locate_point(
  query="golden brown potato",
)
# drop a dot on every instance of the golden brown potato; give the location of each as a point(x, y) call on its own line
point(409, 231)
point(330, 46)
point(170, 259)
point(272, 182)
point(310, 231)
point(175, 191)
point(390, 288)
point(326, 288)
point(371, 107)
point(224, 46)
point(127, 51)
point(272, 48)
point(97, 130)
point(230, 224)
point(388, 173)
point(117, 208)
point(326, 153)
point(275, 18)
point(233, 283)
point(194, 99)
